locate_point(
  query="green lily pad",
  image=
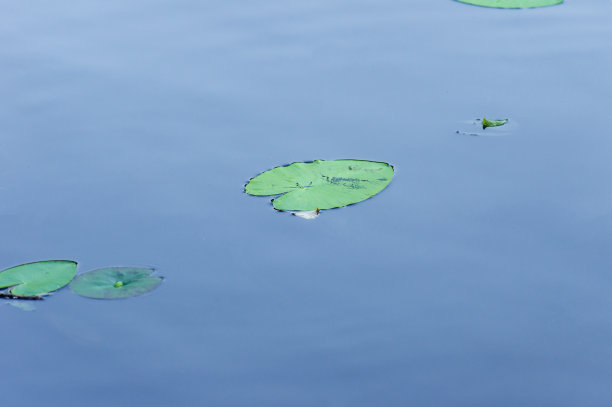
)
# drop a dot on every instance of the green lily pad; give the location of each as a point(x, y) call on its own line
point(115, 282)
point(38, 278)
point(321, 184)
point(493, 123)
point(512, 3)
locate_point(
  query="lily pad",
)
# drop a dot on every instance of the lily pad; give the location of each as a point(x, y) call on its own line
point(115, 282)
point(493, 123)
point(512, 3)
point(33, 279)
point(308, 186)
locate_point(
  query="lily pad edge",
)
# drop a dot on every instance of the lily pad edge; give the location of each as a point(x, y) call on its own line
point(509, 8)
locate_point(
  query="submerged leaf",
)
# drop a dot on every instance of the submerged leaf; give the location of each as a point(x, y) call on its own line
point(321, 184)
point(512, 3)
point(38, 278)
point(493, 123)
point(115, 282)
point(22, 305)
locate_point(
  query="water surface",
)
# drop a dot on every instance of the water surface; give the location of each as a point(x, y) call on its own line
point(480, 277)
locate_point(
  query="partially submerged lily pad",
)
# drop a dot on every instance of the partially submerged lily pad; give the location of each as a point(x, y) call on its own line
point(493, 123)
point(308, 186)
point(512, 3)
point(34, 279)
point(487, 128)
point(115, 282)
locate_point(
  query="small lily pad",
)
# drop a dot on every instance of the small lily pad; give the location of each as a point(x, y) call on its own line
point(487, 128)
point(115, 282)
point(308, 186)
point(493, 123)
point(512, 3)
point(33, 279)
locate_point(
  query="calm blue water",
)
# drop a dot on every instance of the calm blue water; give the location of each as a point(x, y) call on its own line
point(481, 277)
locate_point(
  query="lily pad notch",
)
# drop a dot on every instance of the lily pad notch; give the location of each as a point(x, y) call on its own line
point(515, 4)
point(317, 185)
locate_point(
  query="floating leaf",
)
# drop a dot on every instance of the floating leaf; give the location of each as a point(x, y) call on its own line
point(115, 282)
point(321, 184)
point(493, 123)
point(479, 128)
point(512, 3)
point(33, 279)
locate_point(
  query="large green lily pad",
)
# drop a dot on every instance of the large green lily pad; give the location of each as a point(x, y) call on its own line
point(321, 184)
point(512, 3)
point(38, 278)
point(115, 282)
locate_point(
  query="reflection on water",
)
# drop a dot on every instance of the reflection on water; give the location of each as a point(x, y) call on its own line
point(480, 276)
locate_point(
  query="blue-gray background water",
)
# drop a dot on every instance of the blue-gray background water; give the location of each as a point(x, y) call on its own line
point(482, 276)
